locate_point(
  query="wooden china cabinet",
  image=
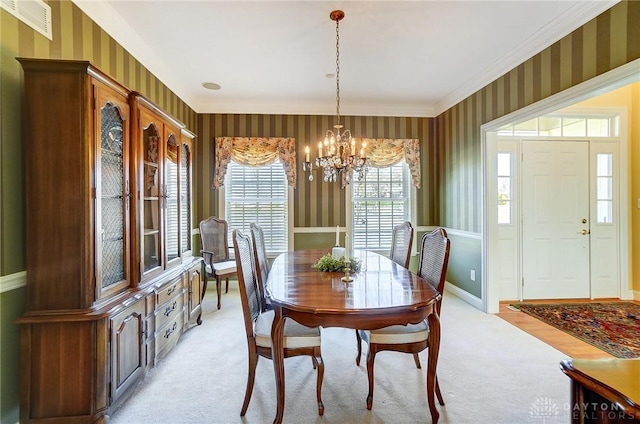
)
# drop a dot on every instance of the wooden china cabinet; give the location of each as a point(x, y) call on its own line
point(163, 236)
point(111, 279)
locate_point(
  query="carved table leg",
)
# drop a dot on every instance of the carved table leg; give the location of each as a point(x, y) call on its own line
point(277, 353)
point(434, 348)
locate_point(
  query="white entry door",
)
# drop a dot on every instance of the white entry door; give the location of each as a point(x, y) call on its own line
point(555, 219)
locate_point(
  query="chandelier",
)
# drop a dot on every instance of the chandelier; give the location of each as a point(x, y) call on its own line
point(338, 155)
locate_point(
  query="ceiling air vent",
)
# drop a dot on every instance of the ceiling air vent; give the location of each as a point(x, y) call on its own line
point(35, 13)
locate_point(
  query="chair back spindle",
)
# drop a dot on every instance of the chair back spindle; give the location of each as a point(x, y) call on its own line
point(213, 234)
point(434, 259)
point(401, 243)
point(248, 285)
point(261, 262)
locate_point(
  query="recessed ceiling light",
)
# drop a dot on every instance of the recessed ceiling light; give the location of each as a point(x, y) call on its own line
point(211, 85)
point(330, 76)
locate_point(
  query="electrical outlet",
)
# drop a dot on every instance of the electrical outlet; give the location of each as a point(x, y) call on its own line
point(473, 275)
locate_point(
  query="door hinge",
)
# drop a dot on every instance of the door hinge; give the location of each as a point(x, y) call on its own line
point(522, 282)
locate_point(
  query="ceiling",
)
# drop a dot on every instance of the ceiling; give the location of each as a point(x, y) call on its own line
point(397, 58)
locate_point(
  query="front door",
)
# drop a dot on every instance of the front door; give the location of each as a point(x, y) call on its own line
point(555, 219)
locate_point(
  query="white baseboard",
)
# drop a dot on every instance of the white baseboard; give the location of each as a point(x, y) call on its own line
point(13, 281)
point(472, 300)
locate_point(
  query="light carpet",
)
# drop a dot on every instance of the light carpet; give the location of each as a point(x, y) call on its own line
point(489, 372)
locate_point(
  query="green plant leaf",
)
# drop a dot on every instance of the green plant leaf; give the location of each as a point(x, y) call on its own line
point(328, 264)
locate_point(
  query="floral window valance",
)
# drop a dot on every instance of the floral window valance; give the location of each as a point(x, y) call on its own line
point(255, 151)
point(386, 152)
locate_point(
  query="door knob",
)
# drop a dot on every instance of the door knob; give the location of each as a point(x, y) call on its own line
point(585, 232)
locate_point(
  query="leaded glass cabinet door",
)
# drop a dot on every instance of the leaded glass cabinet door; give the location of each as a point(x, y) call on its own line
point(112, 193)
point(151, 206)
point(185, 195)
point(170, 196)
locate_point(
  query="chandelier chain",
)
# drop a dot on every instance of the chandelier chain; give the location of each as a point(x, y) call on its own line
point(338, 157)
point(338, 70)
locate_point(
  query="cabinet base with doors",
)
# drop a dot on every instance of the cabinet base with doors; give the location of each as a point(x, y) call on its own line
point(93, 325)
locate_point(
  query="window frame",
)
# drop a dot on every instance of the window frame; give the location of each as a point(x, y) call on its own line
point(412, 195)
point(222, 191)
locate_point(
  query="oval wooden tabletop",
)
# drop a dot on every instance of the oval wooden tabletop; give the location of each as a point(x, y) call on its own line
point(380, 284)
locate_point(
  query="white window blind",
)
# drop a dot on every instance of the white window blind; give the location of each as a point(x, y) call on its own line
point(258, 194)
point(381, 200)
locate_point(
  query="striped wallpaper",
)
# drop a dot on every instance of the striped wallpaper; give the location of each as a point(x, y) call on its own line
point(75, 36)
point(317, 204)
point(451, 150)
point(606, 42)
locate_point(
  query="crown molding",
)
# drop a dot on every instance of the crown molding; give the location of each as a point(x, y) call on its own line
point(112, 23)
point(312, 108)
point(575, 16)
point(563, 24)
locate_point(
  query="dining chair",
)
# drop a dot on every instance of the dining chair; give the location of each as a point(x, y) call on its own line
point(401, 243)
point(411, 338)
point(262, 263)
point(298, 339)
point(215, 251)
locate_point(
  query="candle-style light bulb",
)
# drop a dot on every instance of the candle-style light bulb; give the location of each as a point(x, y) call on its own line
point(306, 152)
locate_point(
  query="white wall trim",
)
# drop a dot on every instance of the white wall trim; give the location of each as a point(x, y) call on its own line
point(103, 14)
point(472, 300)
point(615, 78)
point(425, 228)
point(312, 230)
point(462, 233)
point(13, 281)
point(574, 17)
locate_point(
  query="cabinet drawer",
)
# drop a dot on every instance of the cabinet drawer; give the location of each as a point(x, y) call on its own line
point(168, 311)
point(168, 291)
point(167, 336)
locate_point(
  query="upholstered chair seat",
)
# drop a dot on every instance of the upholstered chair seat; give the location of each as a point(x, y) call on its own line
point(399, 334)
point(221, 268)
point(295, 335)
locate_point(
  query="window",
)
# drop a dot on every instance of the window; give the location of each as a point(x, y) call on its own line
point(563, 125)
point(258, 194)
point(604, 188)
point(380, 201)
point(504, 188)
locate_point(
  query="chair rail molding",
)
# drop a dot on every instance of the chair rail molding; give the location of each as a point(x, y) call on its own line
point(13, 281)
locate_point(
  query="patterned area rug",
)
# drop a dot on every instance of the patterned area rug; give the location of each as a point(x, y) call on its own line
point(611, 326)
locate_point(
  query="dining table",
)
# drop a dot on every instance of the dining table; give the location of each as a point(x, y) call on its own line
point(380, 293)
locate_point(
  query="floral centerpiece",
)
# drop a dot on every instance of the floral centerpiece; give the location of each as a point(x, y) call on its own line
point(330, 264)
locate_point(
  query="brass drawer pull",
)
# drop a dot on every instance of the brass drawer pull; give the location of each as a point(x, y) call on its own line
point(171, 308)
point(171, 290)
